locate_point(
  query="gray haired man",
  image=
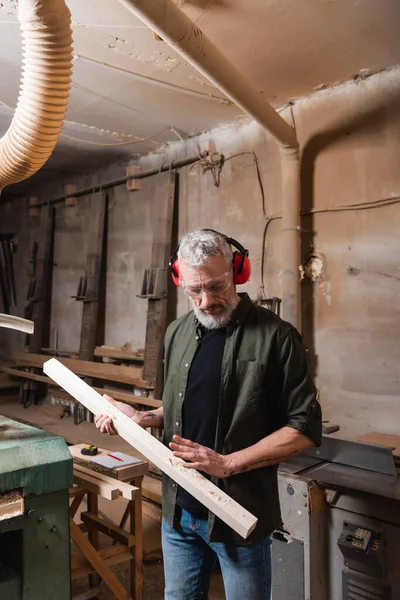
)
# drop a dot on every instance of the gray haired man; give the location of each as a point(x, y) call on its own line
point(237, 400)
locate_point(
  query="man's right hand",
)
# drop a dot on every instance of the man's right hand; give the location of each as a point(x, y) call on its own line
point(105, 423)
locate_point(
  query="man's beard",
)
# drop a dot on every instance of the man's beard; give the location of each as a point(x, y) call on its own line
point(217, 320)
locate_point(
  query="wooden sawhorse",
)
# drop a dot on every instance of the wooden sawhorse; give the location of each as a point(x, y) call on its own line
point(96, 563)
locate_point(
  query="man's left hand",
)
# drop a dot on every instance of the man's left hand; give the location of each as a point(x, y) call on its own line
point(201, 458)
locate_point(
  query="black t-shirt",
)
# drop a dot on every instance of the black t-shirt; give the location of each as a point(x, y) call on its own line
point(201, 404)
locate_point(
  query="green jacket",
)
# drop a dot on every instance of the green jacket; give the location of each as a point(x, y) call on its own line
point(264, 386)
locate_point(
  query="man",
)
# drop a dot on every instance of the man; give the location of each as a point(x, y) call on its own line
point(237, 400)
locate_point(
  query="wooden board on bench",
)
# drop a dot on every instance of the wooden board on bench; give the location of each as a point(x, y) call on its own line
point(123, 473)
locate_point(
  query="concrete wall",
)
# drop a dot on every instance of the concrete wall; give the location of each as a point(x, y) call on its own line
point(350, 144)
point(14, 218)
point(129, 243)
point(128, 254)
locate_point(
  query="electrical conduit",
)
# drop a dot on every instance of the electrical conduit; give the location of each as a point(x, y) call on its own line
point(44, 91)
point(174, 27)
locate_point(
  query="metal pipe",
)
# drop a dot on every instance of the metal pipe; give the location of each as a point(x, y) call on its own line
point(175, 27)
point(290, 236)
point(175, 164)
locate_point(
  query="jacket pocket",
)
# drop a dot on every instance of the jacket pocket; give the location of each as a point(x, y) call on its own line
point(250, 378)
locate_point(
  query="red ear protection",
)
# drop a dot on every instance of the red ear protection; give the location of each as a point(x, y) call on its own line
point(241, 268)
point(241, 262)
point(174, 267)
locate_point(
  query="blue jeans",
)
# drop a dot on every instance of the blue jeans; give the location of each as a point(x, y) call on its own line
point(189, 560)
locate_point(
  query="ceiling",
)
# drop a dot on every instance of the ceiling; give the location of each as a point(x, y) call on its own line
point(128, 86)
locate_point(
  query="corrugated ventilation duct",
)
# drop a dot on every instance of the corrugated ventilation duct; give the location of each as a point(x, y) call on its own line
point(45, 85)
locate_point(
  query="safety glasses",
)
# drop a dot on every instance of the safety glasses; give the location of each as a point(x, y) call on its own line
point(217, 286)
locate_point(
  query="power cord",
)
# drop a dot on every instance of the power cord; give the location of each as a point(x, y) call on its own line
point(137, 140)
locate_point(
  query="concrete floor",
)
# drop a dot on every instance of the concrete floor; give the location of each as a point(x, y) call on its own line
point(153, 588)
point(153, 583)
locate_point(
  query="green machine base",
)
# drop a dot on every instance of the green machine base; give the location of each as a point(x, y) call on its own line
point(34, 540)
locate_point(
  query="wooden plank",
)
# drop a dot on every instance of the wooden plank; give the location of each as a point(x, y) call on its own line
point(96, 486)
point(75, 491)
point(118, 353)
point(130, 375)
point(157, 309)
point(41, 301)
point(94, 261)
point(11, 505)
point(87, 368)
point(129, 492)
point(153, 361)
point(81, 567)
point(7, 385)
point(116, 394)
point(382, 439)
point(56, 352)
point(130, 398)
point(136, 528)
point(93, 521)
point(73, 509)
point(98, 562)
point(192, 481)
point(11, 322)
point(125, 489)
point(124, 351)
point(25, 374)
point(109, 361)
point(93, 534)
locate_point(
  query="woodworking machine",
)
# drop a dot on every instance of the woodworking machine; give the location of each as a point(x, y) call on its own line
point(35, 476)
point(341, 534)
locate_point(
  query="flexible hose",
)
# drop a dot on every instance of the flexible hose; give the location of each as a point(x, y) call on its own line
point(44, 91)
